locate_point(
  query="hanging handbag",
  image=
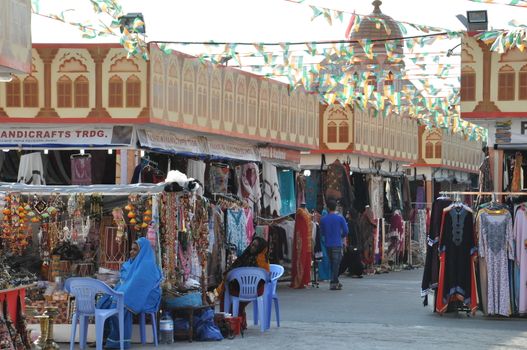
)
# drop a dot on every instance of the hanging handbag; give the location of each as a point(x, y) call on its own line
point(21, 324)
point(6, 343)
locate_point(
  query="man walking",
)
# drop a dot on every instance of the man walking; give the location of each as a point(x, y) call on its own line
point(334, 228)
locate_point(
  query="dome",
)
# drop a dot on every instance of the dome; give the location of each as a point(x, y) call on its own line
point(371, 30)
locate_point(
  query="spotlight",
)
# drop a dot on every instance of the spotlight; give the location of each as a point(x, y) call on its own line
point(142, 153)
point(110, 151)
point(46, 151)
point(82, 151)
point(6, 150)
point(307, 172)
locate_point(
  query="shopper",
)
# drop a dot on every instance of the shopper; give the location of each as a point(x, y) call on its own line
point(140, 282)
point(334, 229)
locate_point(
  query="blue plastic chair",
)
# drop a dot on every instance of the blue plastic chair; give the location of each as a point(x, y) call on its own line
point(85, 290)
point(153, 318)
point(276, 271)
point(248, 279)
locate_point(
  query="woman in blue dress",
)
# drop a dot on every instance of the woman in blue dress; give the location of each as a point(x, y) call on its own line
point(140, 281)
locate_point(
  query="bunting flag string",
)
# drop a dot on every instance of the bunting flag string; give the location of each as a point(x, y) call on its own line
point(519, 3)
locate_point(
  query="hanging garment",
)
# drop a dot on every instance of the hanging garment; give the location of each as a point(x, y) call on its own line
point(15, 336)
point(485, 176)
point(81, 170)
point(516, 174)
point(362, 196)
point(196, 170)
point(367, 226)
point(262, 231)
point(21, 324)
point(431, 270)
point(289, 227)
point(249, 184)
point(218, 179)
point(376, 196)
point(420, 198)
point(300, 189)
point(6, 343)
point(457, 259)
point(301, 263)
point(496, 247)
point(271, 192)
point(311, 190)
point(249, 230)
point(31, 170)
point(324, 266)
point(287, 191)
point(520, 237)
point(338, 186)
point(406, 198)
point(236, 227)
point(277, 244)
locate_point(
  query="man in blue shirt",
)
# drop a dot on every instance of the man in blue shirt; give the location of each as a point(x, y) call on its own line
point(334, 228)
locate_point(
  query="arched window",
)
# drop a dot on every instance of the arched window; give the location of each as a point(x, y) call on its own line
point(506, 84)
point(115, 92)
point(284, 111)
point(332, 132)
point(372, 81)
point(241, 103)
point(228, 101)
point(438, 150)
point(133, 92)
point(522, 83)
point(343, 132)
point(173, 89)
point(82, 93)
point(30, 91)
point(429, 150)
point(215, 103)
point(252, 105)
point(188, 90)
point(203, 93)
point(274, 109)
point(64, 92)
point(13, 93)
point(264, 107)
point(468, 84)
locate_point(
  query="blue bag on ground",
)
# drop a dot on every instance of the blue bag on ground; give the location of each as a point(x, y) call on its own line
point(205, 328)
point(181, 324)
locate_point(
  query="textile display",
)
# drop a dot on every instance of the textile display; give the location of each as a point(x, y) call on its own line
point(219, 179)
point(249, 227)
point(376, 189)
point(236, 229)
point(458, 250)
point(301, 262)
point(81, 173)
point(286, 179)
point(516, 184)
point(271, 188)
point(362, 196)
point(249, 184)
point(311, 190)
point(31, 170)
point(338, 186)
point(485, 176)
point(496, 247)
point(520, 234)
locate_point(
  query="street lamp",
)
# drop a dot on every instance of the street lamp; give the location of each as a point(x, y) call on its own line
point(477, 20)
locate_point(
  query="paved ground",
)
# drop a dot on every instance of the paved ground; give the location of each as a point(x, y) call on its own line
point(376, 312)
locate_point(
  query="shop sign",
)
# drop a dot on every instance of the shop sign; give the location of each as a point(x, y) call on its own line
point(171, 141)
point(233, 150)
point(66, 135)
point(276, 153)
point(15, 36)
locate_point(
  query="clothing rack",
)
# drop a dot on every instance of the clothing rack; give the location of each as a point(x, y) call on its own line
point(475, 193)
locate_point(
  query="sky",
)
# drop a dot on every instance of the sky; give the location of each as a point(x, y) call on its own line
point(258, 20)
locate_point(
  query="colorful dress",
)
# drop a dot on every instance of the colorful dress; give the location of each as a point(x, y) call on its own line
point(301, 263)
point(520, 234)
point(495, 246)
point(236, 227)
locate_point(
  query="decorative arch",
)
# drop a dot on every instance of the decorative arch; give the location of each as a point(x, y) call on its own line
point(133, 92)
point(189, 79)
point(468, 84)
point(522, 83)
point(215, 103)
point(202, 90)
point(241, 102)
point(284, 110)
point(173, 70)
point(173, 86)
point(228, 98)
point(124, 64)
point(64, 92)
point(115, 92)
point(506, 84)
point(252, 104)
point(81, 92)
point(13, 97)
point(264, 105)
point(30, 91)
point(158, 66)
point(275, 113)
point(72, 65)
point(293, 113)
point(301, 122)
